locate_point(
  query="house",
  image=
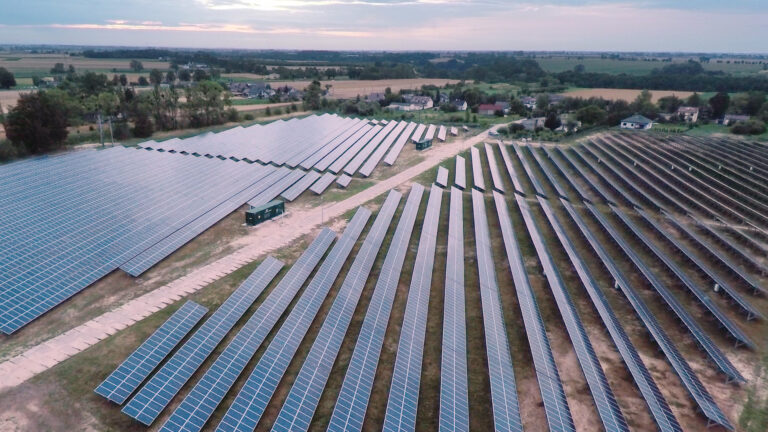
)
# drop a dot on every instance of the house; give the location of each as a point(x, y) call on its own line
point(529, 102)
point(492, 109)
point(532, 123)
point(568, 124)
point(688, 114)
point(376, 97)
point(424, 102)
point(444, 98)
point(730, 119)
point(637, 121)
point(555, 99)
point(461, 105)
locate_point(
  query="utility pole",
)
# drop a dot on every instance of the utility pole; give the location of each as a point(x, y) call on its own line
point(101, 131)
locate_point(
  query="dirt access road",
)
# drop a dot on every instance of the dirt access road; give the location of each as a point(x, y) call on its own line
point(267, 238)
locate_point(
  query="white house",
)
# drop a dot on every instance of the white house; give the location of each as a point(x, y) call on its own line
point(637, 121)
point(461, 105)
point(688, 114)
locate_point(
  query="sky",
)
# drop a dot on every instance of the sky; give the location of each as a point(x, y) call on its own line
point(571, 25)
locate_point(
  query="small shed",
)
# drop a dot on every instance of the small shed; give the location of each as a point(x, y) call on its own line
point(423, 144)
point(264, 212)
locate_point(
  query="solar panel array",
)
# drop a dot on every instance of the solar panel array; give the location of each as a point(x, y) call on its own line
point(121, 383)
point(155, 395)
point(506, 408)
point(510, 168)
point(442, 133)
point(300, 186)
point(246, 410)
point(477, 169)
point(605, 401)
point(397, 147)
point(551, 388)
point(454, 392)
point(352, 401)
point(366, 151)
point(199, 404)
point(301, 402)
point(378, 154)
point(654, 399)
point(322, 183)
point(343, 180)
point(404, 389)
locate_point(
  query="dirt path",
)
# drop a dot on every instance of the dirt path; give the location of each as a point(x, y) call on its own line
point(266, 238)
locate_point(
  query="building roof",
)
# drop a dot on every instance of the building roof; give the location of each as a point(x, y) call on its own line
point(737, 117)
point(490, 107)
point(637, 118)
point(687, 109)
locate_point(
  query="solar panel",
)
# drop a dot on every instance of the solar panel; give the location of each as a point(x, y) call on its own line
point(605, 401)
point(657, 404)
point(349, 411)
point(339, 150)
point(441, 134)
point(418, 133)
point(301, 402)
point(683, 370)
point(198, 406)
point(494, 168)
point(528, 170)
point(511, 169)
point(561, 167)
point(720, 283)
point(431, 129)
point(404, 389)
point(300, 186)
point(547, 173)
point(312, 160)
point(376, 156)
point(454, 393)
point(733, 330)
point(322, 183)
point(343, 180)
point(394, 152)
point(506, 408)
point(348, 154)
point(356, 162)
point(137, 367)
point(555, 404)
point(477, 169)
point(246, 409)
point(442, 177)
point(460, 175)
point(270, 193)
point(713, 352)
point(155, 395)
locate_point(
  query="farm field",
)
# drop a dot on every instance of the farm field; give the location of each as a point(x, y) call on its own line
point(346, 89)
point(27, 65)
point(628, 95)
point(544, 170)
point(637, 67)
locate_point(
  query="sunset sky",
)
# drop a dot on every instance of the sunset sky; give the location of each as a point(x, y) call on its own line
point(654, 25)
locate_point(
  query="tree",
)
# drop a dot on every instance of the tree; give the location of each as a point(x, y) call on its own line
point(184, 75)
point(579, 68)
point(58, 68)
point(542, 102)
point(591, 114)
point(312, 95)
point(719, 104)
point(37, 123)
point(155, 77)
point(143, 81)
point(170, 77)
point(123, 80)
point(755, 101)
point(6, 79)
point(136, 66)
point(142, 126)
point(694, 100)
point(200, 75)
point(749, 127)
point(670, 104)
point(552, 121)
point(644, 105)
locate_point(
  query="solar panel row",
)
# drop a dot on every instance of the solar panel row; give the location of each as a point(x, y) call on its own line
point(605, 401)
point(442, 177)
point(506, 408)
point(654, 399)
point(397, 147)
point(356, 162)
point(378, 154)
point(477, 169)
point(460, 175)
point(199, 404)
point(300, 186)
point(352, 402)
point(155, 395)
point(555, 404)
point(538, 188)
point(121, 383)
point(301, 402)
point(404, 389)
point(322, 183)
point(253, 398)
point(454, 393)
point(510, 168)
point(494, 168)
point(681, 367)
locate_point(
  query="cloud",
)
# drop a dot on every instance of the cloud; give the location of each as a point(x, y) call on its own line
point(301, 5)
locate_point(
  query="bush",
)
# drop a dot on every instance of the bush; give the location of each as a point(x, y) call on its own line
point(516, 127)
point(37, 124)
point(7, 151)
point(232, 115)
point(248, 117)
point(120, 130)
point(143, 127)
point(749, 127)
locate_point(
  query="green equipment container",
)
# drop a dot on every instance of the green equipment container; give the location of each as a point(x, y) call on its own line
point(265, 212)
point(423, 144)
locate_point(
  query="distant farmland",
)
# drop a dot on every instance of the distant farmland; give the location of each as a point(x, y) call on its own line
point(345, 89)
point(623, 94)
point(25, 65)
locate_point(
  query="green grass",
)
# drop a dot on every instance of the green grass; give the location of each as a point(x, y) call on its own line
point(250, 101)
point(636, 67)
